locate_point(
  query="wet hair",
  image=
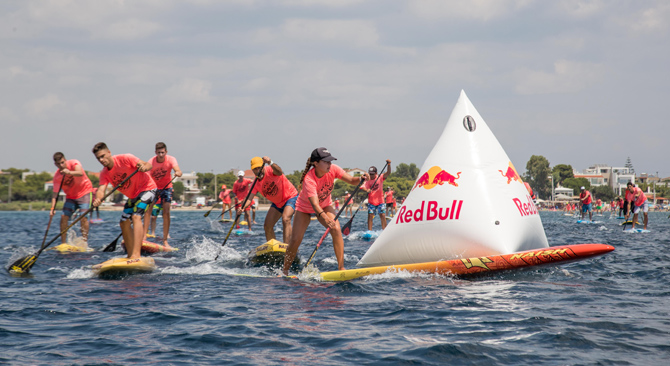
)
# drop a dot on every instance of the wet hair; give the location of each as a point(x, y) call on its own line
point(99, 146)
point(161, 145)
point(57, 156)
point(308, 166)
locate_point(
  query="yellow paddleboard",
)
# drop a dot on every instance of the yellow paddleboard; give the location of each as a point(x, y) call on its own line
point(68, 248)
point(243, 223)
point(125, 265)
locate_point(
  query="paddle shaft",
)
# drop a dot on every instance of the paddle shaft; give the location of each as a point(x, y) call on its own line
point(347, 226)
point(50, 215)
point(237, 215)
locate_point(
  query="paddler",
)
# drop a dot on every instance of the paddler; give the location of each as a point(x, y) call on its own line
point(224, 195)
point(375, 189)
point(348, 212)
point(316, 184)
point(273, 185)
point(585, 198)
point(639, 203)
point(77, 188)
point(241, 189)
point(140, 190)
point(161, 172)
point(390, 201)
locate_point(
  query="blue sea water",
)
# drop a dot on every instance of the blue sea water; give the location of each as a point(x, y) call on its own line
point(609, 310)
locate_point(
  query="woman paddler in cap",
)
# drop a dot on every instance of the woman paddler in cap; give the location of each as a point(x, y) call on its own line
point(314, 198)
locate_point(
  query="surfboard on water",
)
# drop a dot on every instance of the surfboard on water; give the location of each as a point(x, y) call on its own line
point(629, 222)
point(271, 254)
point(482, 265)
point(69, 248)
point(226, 220)
point(125, 266)
point(152, 248)
point(369, 235)
point(243, 232)
point(636, 230)
point(587, 222)
point(96, 221)
point(467, 202)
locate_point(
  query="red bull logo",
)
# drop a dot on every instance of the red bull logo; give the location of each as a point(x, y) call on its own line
point(525, 208)
point(433, 211)
point(511, 174)
point(436, 176)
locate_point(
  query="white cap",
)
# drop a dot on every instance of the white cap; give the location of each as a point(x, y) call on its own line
point(240, 174)
point(582, 188)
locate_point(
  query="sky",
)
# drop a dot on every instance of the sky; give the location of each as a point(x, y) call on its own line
point(578, 82)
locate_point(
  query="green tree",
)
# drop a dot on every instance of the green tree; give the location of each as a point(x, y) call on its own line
point(561, 172)
point(95, 181)
point(537, 175)
point(576, 183)
point(410, 171)
point(604, 193)
point(178, 190)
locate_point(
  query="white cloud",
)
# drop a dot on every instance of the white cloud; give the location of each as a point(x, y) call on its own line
point(129, 29)
point(190, 90)
point(483, 10)
point(567, 77)
point(40, 106)
point(580, 8)
point(356, 32)
point(651, 20)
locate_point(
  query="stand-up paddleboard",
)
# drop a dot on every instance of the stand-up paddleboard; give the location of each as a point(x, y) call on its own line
point(152, 248)
point(636, 230)
point(587, 222)
point(96, 221)
point(226, 220)
point(69, 248)
point(482, 265)
point(629, 222)
point(243, 232)
point(369, 235)
point(620, 217)
point(243, 223)
point(121, 266)
point(468, 202)
point(270, 254)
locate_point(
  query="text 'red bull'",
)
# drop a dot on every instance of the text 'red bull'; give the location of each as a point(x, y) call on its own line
point(431, 212)
point(525, 209)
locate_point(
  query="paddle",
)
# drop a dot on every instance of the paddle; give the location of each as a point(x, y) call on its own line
point(112, 246)
point(210, 210)
point(237, 215)
point(347, 227)
point(52, 216)
point(24, 264)
point(335, 219)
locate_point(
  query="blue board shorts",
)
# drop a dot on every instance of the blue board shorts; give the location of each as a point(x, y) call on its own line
point(375, 210)
point(71, 205)
point(290, 203)
point(586, 207)
point(158, 207)
point(165, 194)
point(138, 205)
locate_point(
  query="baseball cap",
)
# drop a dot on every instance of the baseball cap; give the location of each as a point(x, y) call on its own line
point(256, 162)
point(240, 174)
point(582, 188)
point(321, 153)
point(373, 169)
point(223, 186)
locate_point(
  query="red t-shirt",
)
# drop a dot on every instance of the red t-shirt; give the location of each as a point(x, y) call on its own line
point(584, 194)
point(314, 186)
point(225, 196)
point(376, 195)
point(124, 165)
point(162, 172)
point(389, 197)
point(641, 198)
point(276, 188)
point(241, 189)
point(74, 187)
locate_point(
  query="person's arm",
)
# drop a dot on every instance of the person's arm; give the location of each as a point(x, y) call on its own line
point(388, 171)
point(77, 172)
point(314, 201)
point(144, 166)
point(53, 203)
point(177, 171)
point(355, 180)
point(99, 194)
point(276, 169)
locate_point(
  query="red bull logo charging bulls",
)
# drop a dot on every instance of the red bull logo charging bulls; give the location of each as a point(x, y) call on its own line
point(511, 174)
point(436, 176)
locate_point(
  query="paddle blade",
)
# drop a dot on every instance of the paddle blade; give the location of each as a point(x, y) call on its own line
point(112, 246)
point(23, 265)
point(346, 229)
point(207, 213)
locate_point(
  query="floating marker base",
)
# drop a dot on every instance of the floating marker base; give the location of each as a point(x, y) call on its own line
point(482, 265)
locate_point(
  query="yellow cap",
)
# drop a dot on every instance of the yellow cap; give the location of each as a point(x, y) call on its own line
point(256, 162)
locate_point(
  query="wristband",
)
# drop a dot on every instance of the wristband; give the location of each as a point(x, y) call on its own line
point(320, 213)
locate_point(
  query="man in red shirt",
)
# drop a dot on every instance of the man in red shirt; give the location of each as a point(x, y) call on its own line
point(586, 199)
point(77, 188)
point(390, 201)
point(241, 188)
point(375, 190)
point(639, 202)
point(162, 166)
point(224, 195)
point(140, 190)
